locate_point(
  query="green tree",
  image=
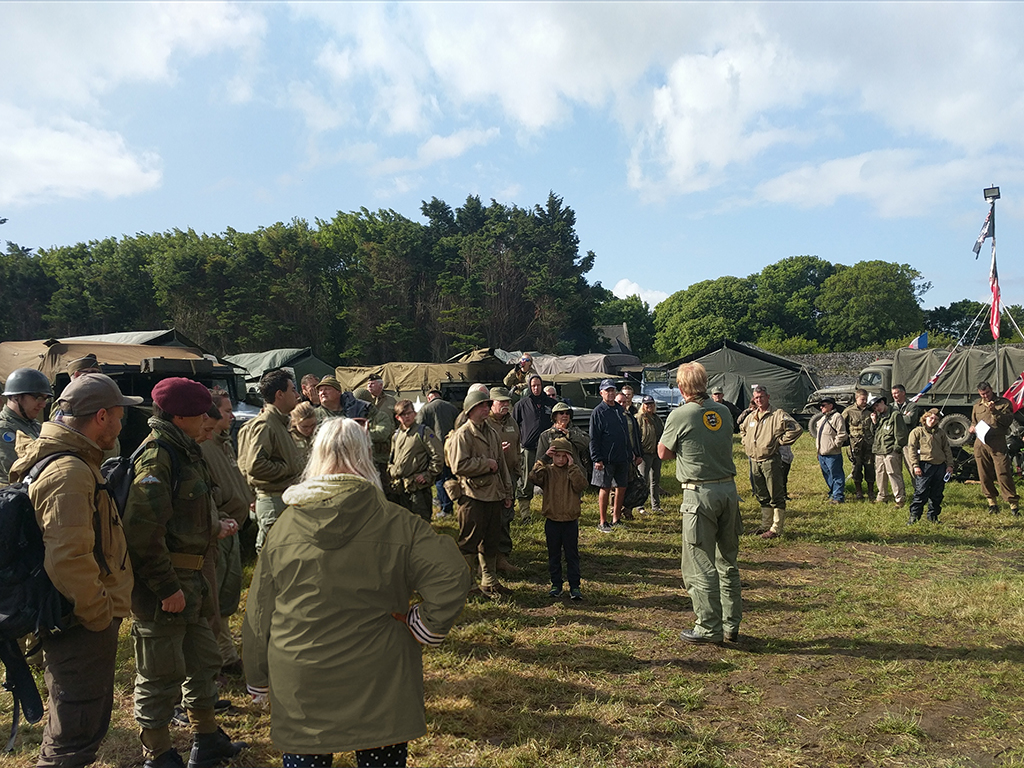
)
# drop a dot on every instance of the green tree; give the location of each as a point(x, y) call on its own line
point(869, 304)
point(24, 291)
point(786, 293)
point(706, 312)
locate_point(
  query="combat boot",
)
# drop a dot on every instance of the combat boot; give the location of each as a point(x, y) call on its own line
point(168, 759)
point(212, 749)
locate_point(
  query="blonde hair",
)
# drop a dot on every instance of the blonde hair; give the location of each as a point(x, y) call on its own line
point(342, 446)
point(301, 412)
point(692, 379)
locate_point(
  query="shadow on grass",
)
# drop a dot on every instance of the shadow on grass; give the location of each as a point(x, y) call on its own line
point(878, 651)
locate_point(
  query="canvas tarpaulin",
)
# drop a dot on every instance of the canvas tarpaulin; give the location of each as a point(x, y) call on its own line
point(301, 361)
point(549, 365)
point(737, 367)
point(967, 368)
point(421, 377)
point(52, 356)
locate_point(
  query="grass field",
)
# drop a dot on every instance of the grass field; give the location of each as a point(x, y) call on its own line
point(865, 642)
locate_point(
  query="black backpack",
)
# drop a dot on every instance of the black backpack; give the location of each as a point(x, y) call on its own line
point(29, 603)
point(119, 473)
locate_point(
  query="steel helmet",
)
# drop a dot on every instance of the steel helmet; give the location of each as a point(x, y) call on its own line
point(27, 381)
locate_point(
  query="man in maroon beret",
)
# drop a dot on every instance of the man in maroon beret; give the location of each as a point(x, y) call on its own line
point(170, 525)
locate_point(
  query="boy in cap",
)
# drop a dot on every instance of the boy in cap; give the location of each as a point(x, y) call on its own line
point(80, 661)
point(929, 453)
point(170, 527)
point(563, 481)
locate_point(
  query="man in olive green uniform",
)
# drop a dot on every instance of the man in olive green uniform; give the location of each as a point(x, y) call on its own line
point(416, 461)
point(698, 435)
point(382, 424)
point(911, 414)
point(267, 454)
point(232, 497)
point(990, 453)
point(334, 403)
point(169, 525)
point(764, 431)
point(508, 432)
point(860, 429)
point(27, 391)
point(891, 434)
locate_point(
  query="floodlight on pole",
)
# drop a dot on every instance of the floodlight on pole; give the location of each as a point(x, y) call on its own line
point(991, 194)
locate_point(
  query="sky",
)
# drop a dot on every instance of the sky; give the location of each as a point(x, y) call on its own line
point(693, 140)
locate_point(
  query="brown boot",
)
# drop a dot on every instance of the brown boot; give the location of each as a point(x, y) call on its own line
point(504, 566)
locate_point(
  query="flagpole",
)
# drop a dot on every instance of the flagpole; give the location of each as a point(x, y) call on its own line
point(995, 313)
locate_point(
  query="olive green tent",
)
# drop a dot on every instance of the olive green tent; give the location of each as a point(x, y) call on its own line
point(301, 361)
point(736, 367)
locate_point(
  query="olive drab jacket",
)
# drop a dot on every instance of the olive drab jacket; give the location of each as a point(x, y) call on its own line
point(859, 426)
point(267, 454)
point(415, 451)
point(67, 498)
point(998, 414)
point(929, 446)
point(468, 449)
point(170, 523)
point(763, 433)
point(321, 630)
point(891, 433)
point(231, 493)
point(508, 432)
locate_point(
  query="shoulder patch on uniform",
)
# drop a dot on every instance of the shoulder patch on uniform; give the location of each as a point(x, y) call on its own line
point(712, 420)
point(149, 480)
point(8, 437)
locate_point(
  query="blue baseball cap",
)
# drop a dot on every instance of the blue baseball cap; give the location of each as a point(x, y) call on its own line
point(608, 384)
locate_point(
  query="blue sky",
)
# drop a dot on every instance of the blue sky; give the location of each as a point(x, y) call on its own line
point(693, 140)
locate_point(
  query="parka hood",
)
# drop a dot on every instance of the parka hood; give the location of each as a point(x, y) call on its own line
point(332, 509)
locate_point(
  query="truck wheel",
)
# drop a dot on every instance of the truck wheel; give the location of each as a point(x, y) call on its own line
point(957, 428)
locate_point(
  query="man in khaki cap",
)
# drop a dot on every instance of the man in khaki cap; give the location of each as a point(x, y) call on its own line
point(83, 365)
point(95, 576)
point(475, 456)
point(335, 403)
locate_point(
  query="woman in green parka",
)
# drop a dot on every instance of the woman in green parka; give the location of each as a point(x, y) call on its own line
point(329, 633)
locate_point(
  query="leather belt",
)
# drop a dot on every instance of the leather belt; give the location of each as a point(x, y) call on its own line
point(696, 486)
point(186, 562)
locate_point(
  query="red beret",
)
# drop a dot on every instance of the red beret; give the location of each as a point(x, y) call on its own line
point(182, 397)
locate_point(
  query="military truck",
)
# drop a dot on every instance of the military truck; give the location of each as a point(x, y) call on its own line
point(953, 394)
point(135, 367)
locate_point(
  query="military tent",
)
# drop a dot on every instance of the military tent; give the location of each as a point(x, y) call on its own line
point(301, 361)
point(736, 367)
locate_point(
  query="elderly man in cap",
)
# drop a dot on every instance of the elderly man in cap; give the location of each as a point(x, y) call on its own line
point(440, 416)
point(475, 456)
point(335, 403)
point(611, 451)
point(830, 435)
point(27, 391)
point(170, 525)
point(990, 451)
point(94, 575)
point(764, 431)
point(267, 454)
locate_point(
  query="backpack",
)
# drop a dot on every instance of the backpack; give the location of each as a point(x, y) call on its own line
point(29, 603)
point(119, 473)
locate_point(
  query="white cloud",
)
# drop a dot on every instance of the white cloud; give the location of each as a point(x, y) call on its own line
point(626, 287)
point(437, 149)
point(67, 158)
point(898, 183)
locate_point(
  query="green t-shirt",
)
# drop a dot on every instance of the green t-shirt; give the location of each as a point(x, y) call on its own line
point(700, 435)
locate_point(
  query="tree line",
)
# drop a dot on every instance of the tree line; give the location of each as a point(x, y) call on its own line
point(368, 287)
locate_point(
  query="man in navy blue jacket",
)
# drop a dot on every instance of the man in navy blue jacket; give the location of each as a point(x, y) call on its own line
point(612, 452)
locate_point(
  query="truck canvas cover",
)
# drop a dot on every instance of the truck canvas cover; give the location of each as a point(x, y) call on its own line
point(967, 367)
